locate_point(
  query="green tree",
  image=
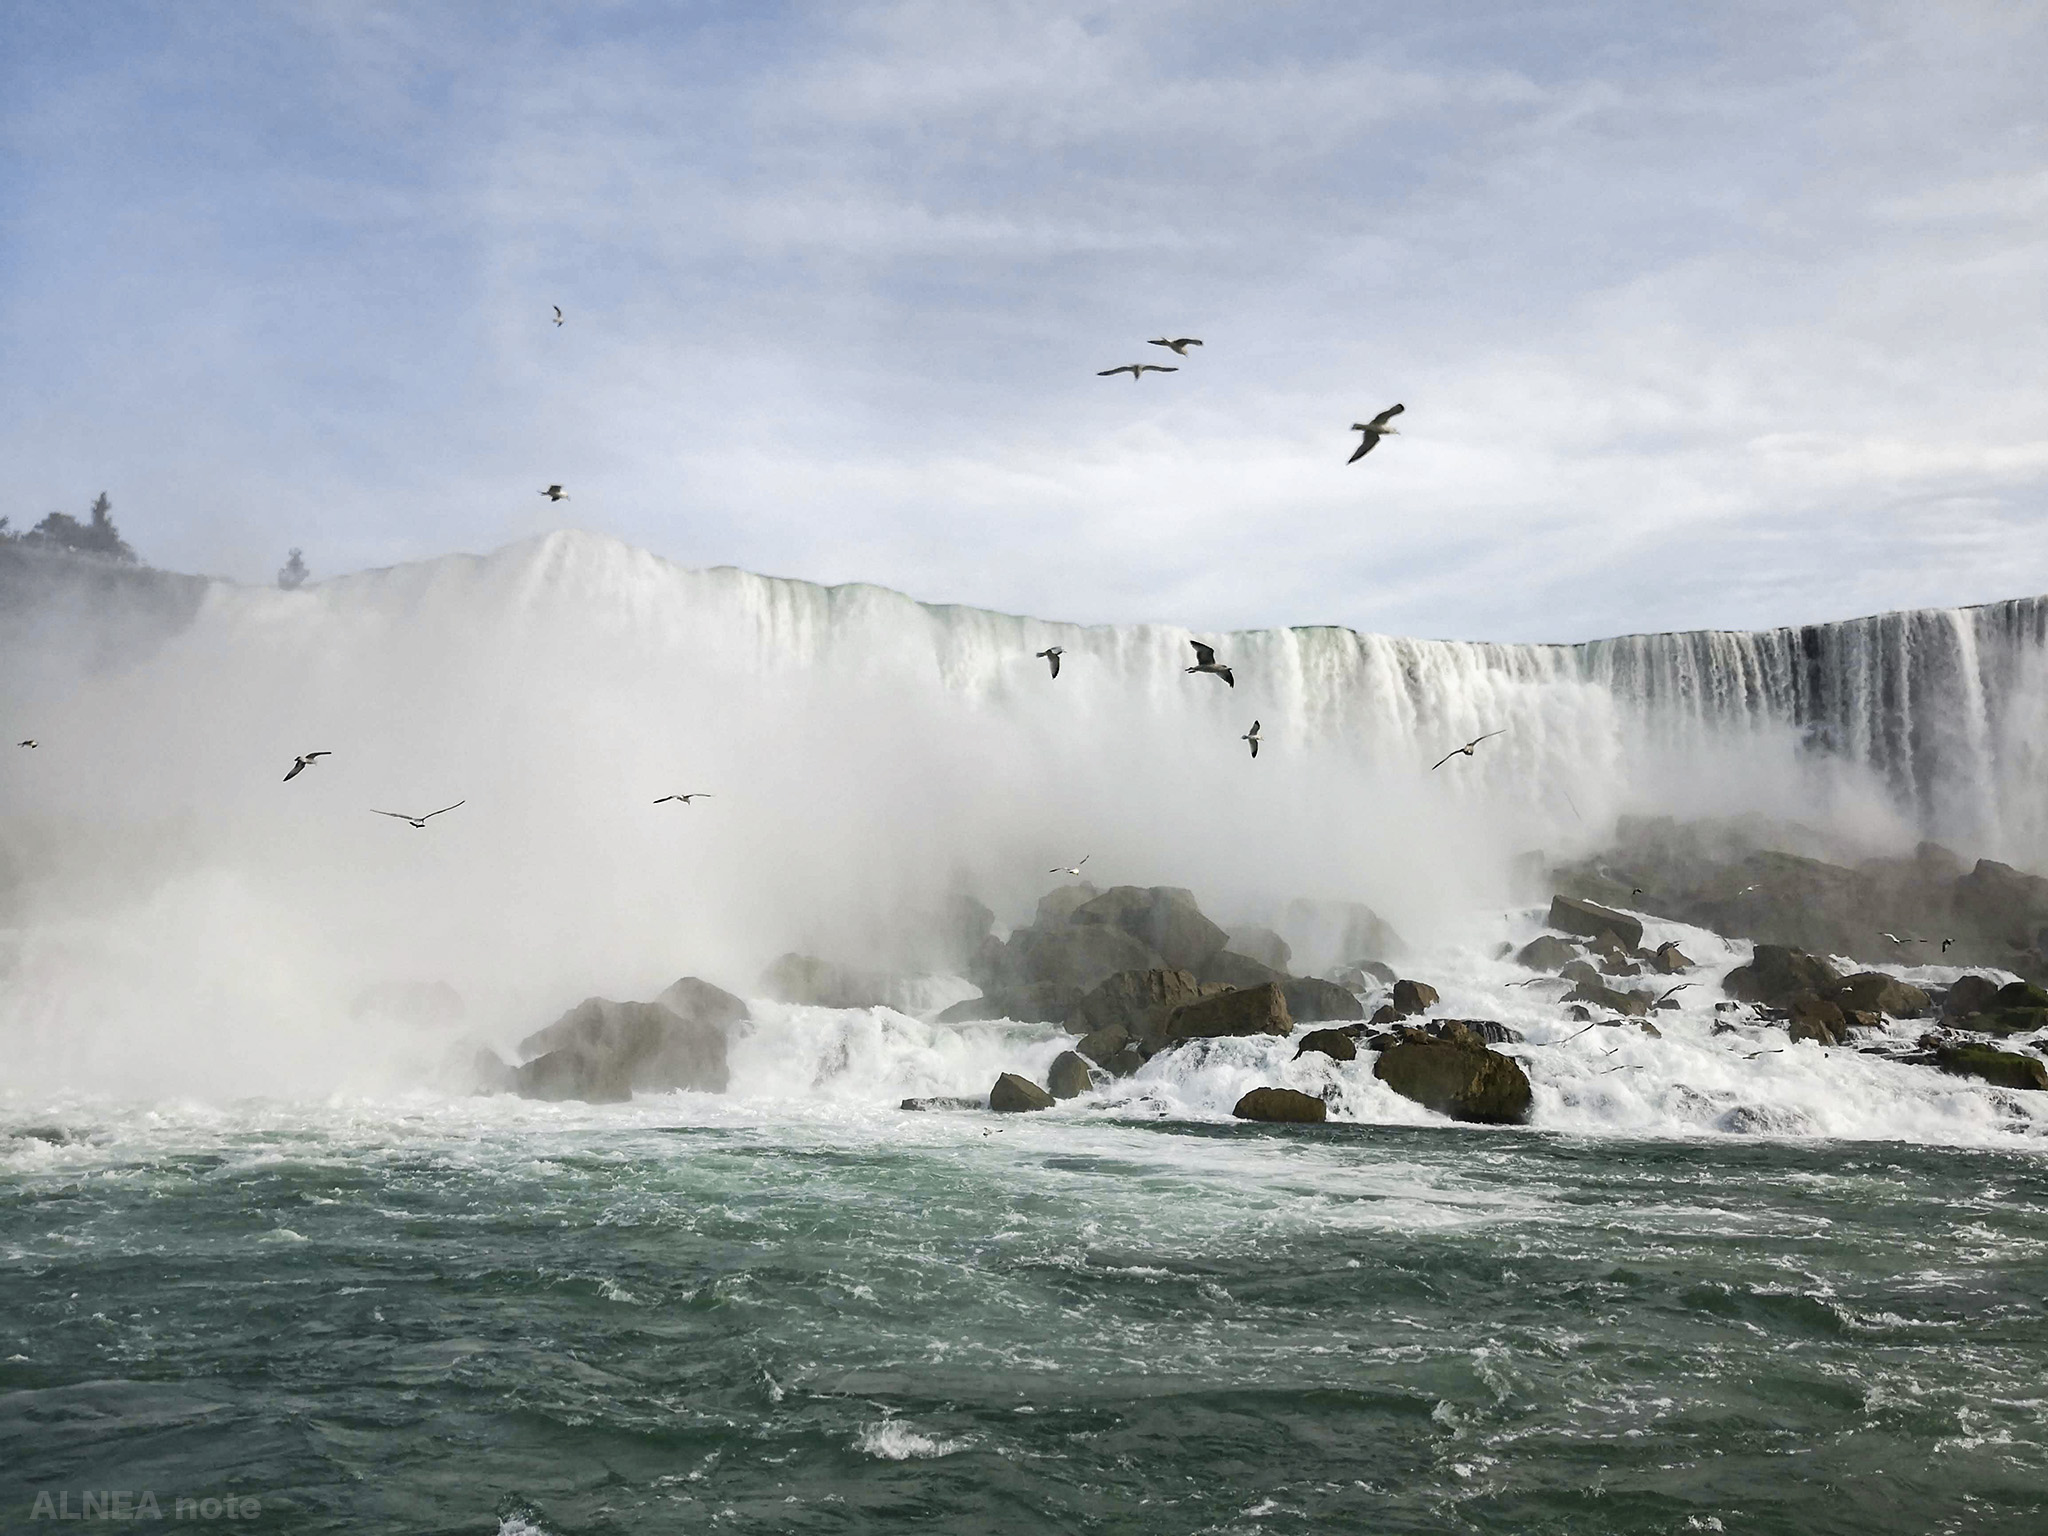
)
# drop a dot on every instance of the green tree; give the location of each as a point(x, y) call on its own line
point(294, 575)
point(97, 536)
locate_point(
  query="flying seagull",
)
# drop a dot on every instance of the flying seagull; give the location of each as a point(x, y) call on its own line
point(1178, 345)
point(1673, 992)
point(1896, 939)
point(1944, 943)
point(1251, 735)
point(1205, 661)
point(555, 493)
point(1635, 893)
point(558, 314)
point(31, 742)
point(1052, 653)
point(702, 794)
point(418, 821)
point(1465, 749)
point(1134, 369)
point(1374, 430)
point(304, 761)
point(1075, 870)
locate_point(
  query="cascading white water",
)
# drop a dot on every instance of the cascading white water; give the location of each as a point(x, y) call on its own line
point(167, 900)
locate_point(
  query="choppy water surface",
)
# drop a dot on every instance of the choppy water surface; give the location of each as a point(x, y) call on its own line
point(483, 1315)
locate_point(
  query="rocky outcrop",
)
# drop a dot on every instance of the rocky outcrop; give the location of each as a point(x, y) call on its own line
point(1595, 993)
point(1262, 945)
point(1875, 992)
point(694, 998)
point(1164, 918)
point(1015, 1095)
point(1464, 1081)
point(1310, 1001)
point(1077, 955)
point(1412, 997)
point(1337, 1044)
point(1281, 1106)
point(1817, 1020)
point(2004, 904)
point(1590, 920)
point(602, 1051)
point(1776, 975)
point(1068, 1077)
point(1546, 952)
point(1056, 907)
point(2003, 1069)
point(1247, 1011)
point(1128, 1009)
point(1044, 1002)
point(1670, 960)
point(2018, 1007)
point(1969, 995)
point(1230, 969)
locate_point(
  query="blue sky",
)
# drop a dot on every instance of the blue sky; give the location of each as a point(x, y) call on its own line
point(1720, 315)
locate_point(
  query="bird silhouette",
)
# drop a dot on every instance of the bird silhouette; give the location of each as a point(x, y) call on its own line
point(1073, 870)
point(1374, 430)
point(1251, 735)
point(30, 743)
point(1135, 369)
point(686, 799)
point(1205, 661)
point(558, 314)
point(1052, 653)
point(1465, 750)
point(418, 821)
point(304, 761)
point(555, 493)
point(1177, 345)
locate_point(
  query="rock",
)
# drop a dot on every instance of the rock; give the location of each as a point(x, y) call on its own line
point(695, 998)
point(1310, 1001)
point(1969, 995)
point(1776, 974)
point(1546, 952)
point(1582, 973)
point(1600, 995)
point(1590, 920)
point(601, 1051)
point(1466, 1082)
point(1413, 997)
point(2021, 994)
point(1248, 1011)
point(819, 983)
point(1262, 945)
point(1015, 1095)
point(1042, 1002)
point(1385, 1014)
point(1378, 970)
point(1578, 1013)
point(1650, 1029)
point(1057, 907)
point(1282, 1106)
point(1469, 1031)
point(1858, 1018)
point(1077, 955)
point(1229, 969)
point(1502, 950)
point(1336, 1044)
point(1129, 1007)
point(940, 1102)
point(1814, 1027)
point(1621, 968)
point(1670, 960)
point(1068, 1077)
point(1124, 1062)
point(2003, 902)
point(2003, 1069)
point(1164, 918)
point(1875, 992)
point(1346, 932)
point(488, 1072)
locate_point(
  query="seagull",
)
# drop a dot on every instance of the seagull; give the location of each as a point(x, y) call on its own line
point(1076, 868)
point(1205, 661)
point(555, 493)
point(1052, 653)
point(1134, 369)
point(702, 794)
point(1251, 735)
point(1635, 893)
point(1179, 345)
point(304, 761)
point(418, 821)
point(558, 314)
point(1944, 943)
point(1374, 430)
point(1900, 941)
point(1675, 990)
point(1466, 749)
point(1775, 1051)
point(30, 743)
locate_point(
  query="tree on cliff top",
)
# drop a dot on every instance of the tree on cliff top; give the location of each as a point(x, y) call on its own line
point(96, 536)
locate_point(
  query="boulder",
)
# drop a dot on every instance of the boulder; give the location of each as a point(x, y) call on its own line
point(1969, 995)
point(1378, 970)
point(2003, 1069)
point(2003, 902)
point(1057, 907)
point(1650, 1029)
point(695, 998)
point(1015, 1095)
point(1230, 969)
point(2021, 994)
point(1582, 973)
point(1042, 1002)
point(601, 1051)
point(1468, 1031)
point(1598, 994)
point(1385, 1014)
point(1413, 997)
point(1164, 918)
point(1816, 1026)
point(1875, 992)
point(1262, 945)
point(1310, 1001)
point(940, 1102)
point(1590, 920)
point(1124, 1062)
point(1546, 952)
point(488, 1072)
point(795, 978)
point(1282, 1106)
point(1128, 1008)
point(1077, 955)
point(1670, 960)
point(1776, 974)
point(1464, 1081)
point(1068, 1077)
point(1247, 1011)
point(1336, 1044)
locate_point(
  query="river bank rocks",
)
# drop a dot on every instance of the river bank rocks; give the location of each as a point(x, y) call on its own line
point(2002, 1069)
point(602, 1052)
point(1458, 1077)
point(1017, 1095)
point(1337, 1044)
point(1282, 1106)
point(1069, 1076)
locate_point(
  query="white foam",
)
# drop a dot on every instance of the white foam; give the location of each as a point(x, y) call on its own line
point(894, 1440)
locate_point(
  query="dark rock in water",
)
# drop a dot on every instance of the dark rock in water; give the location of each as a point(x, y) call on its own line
point(1164, 918)
point(1227, 968)
point(1262, 945)
point(1337, 1044)
point(940, 1102)
point(2003, 1069)
point(1043, 1002)
point(1670, 960)
point(1077, 955)
point(491, 1073)
point(1600, 995)
point(1582, 973)
point(1282, 1106)
point(1246, 1011)
point(1102, 1046)
point(1650, 1029)
point(1546, 952)
point(1466, 1082)
point(1057, 907)
point(1502, 950)
point(1378, 970)
point(1310, 1001)
point(1386, 1013)
point(601, 1051)
point(1124, 1062)
point(1578, 1013)
point(1129, 1008)
point(1413, 997)
point(2021, 994)
point(1068, 1077)
point(1776, 974)
point(1570, 915)
point(1014, 1095)
point(1817, 1026)
point(58, 1136)
point(2003, 903)
point(1969, 995)
point(695, 998)
point(1875, 992)
point(1469, 1031)
point(1860, 1018)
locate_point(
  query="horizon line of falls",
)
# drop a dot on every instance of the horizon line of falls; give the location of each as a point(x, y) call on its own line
point(867, 756)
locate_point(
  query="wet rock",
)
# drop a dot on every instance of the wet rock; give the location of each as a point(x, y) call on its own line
point(1282, 1106)
point(1077, 955)
point(1599, 995)
point(1124, 1062)
point(2003, 1069)
point(1546, 952)
point(1229, 969)
point(806, 979)
point(1016, 1095)
point(1044, 1002)
point(1579, 1013)
point(1128, 1007)
point(1057, 907)
point(488, 1072)
point(1858, 1018)
point(1164, 918)
point(1068, 1077)
point(1336, 1044)
point(1776, 974)
point(1650, 1029)
point(939, 1102)
point(2004, 903)
point(1589, 919)
point(1310, 1001)
point(1413, 997)
point(1582, 973)
point(1262, 945)
point(1670, 960)
point(1346, 931)
point(1386, 1013)
point(1969, 995)
point(697, 999)
point(1378, 970)
point(601, 1051)
point(1812, 1027)
point(1471, 1031)
point(1466, 1082)
point(1875, 992)
point(1248, 1011)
